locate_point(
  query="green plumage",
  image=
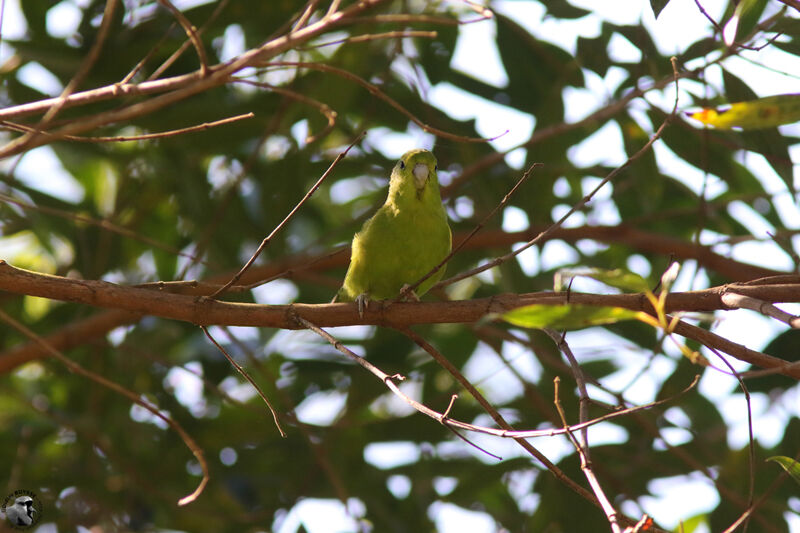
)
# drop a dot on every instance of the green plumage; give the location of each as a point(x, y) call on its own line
point(406, 238)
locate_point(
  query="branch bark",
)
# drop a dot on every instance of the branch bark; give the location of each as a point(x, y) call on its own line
point(204, 311)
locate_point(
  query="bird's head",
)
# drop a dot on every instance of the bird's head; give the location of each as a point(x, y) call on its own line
point(414, 173)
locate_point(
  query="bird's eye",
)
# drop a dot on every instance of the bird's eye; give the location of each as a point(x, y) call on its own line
point(435, 167)
point(402, 165)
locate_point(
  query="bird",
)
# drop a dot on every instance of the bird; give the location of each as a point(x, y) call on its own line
point(21, 513)
point(404, 240)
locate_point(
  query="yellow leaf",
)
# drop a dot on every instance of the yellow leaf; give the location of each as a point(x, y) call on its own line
point(765, 112)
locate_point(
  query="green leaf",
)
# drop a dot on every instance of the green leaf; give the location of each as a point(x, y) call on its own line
point(744, 19)
point(617, 278)
point(658, 6)
point(572, 316)
point(790, 465)
point(564, 10)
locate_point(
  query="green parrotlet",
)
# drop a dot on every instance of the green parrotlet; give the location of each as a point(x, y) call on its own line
point(404, 240)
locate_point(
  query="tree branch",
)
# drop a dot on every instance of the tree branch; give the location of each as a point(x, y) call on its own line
point(203, 311)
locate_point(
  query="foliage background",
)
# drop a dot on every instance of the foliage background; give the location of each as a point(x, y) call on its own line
point(95, 460)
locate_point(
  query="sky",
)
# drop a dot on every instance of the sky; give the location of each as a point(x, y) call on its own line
point(678, 25)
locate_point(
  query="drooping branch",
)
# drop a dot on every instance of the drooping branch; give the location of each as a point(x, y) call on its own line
point(167, 91)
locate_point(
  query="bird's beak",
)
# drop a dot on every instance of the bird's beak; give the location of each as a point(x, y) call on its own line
point(421, 172)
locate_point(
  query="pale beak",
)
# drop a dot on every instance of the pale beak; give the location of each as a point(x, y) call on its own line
point(420, 175)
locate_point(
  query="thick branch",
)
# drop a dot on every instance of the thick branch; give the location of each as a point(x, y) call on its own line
point(204, 311)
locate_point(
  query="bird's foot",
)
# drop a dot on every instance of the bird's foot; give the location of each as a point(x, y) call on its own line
point(410, 295)
point(363, 301)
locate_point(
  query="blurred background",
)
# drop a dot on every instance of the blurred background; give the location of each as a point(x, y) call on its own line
point(572, 85)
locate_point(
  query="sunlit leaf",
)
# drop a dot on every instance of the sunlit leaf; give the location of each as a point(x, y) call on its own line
point(791, 466)
point(572, 316)
point(744, 19)
point(765, 112)
point(617, 278)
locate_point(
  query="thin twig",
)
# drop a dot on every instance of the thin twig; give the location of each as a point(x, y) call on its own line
point(580, 205)
point(103, 224)
point(476, 229)
point(497, 417)
point(280, 226)
point(191, 32)
point(333, 8)
point(398, 34)
point(86, 65)
point(706, 15)
point(307, 12)
point(124, 138)
point(583, 410)
point(745, 517)
point(177, 88)
point(185, 46)
point(142, 62)
point(608, 509)
point(442, 418)
point(791, 3)
point(322, 107)
point(246, 376)
point(119, 389)
point(202, 243)
point(760, 501)
point(376, 91)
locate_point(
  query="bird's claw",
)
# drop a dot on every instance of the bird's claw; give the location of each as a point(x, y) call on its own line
point(362, 300)
point(410, 295)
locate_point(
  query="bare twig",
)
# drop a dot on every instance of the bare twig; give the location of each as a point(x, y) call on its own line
point(119, 389)
point(322, 107)
point(760, 501)
point(583, 410)
point(444, 417)
point(185, 46)
point(103, 224)
point(608, 509)
point(246, 376)
point(191, 32)
point(333, 8)
point(123, 138)
point(376, 91)
point(142, 62)
point(307, 12)
point(476, 229)
point(267, 240)
point(586, 199)
point(497, 417)
point(745, 517)
point(483, 11)
point(399, 34)
point(709, 17)
point(29, 139)
point(791, 3)
point(176, 88)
